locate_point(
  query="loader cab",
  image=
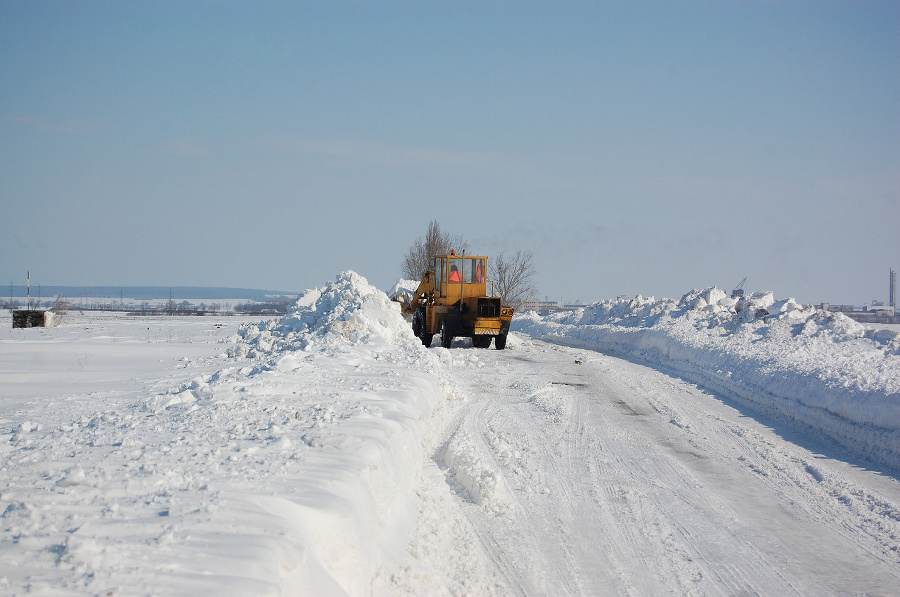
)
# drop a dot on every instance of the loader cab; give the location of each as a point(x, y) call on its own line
point(459, 276)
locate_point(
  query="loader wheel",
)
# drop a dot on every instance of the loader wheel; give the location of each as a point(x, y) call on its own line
point(500, 342)
point(446, 337)
point(418, 325)
point(418, 322)
point(481, 341)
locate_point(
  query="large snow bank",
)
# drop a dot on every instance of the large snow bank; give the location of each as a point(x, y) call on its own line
point(289, 468)
point(818, 368)
point(361, 394)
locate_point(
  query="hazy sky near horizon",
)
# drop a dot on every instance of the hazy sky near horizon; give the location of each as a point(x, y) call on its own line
point(634, 147)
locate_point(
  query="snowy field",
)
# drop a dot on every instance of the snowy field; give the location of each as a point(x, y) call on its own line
point(643, 447)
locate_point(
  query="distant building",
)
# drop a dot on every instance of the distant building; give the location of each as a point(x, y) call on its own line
point(539, 306)
point(546, 307)
point(869, 314)
point(838, 308)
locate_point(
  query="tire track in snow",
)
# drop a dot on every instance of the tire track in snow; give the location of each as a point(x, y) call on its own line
point(809, 494)
point(628, 519)
point(654, 487)
point(670, 490)
point(448, 459)
point(573, 553)
point(515, 460)
point(552, 483)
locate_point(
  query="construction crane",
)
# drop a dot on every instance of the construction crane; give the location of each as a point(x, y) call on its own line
point(738, 291)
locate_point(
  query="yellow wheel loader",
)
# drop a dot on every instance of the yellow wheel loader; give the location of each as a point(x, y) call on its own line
point(452, 301)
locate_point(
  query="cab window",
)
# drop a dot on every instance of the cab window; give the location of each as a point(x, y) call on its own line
point(475, 270)
point(437, 265)
point(454, 270)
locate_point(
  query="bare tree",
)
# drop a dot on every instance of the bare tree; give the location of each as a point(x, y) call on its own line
point(436, 242)
point(513, 276)
point(60, 308)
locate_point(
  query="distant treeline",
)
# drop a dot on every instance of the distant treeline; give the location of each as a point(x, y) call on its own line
point(142, 293)
point(270, 308)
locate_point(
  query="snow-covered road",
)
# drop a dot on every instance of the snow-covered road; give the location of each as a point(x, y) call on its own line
point(585, 475)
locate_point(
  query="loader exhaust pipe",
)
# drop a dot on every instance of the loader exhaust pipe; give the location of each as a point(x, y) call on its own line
point(462, 278)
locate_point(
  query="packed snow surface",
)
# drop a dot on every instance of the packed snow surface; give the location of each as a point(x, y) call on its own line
point(329, 453)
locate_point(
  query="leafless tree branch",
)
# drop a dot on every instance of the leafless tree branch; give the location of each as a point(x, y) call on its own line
point(513, 276)
point(435, 242)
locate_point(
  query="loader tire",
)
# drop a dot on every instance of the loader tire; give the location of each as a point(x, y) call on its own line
point(500, 341)
point(418, 322)
point(418, 325)
point(481, 341)
point(446, 336)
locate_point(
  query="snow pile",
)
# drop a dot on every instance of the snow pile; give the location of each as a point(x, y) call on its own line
point(346, 311)
point(404, 288)
point(820, 369)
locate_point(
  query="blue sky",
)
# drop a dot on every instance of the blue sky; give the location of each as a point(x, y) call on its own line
point(634, 147)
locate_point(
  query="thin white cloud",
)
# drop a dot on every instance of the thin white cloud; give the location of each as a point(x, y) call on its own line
point(50, 125)
point(188, 147)
point(358, 150)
